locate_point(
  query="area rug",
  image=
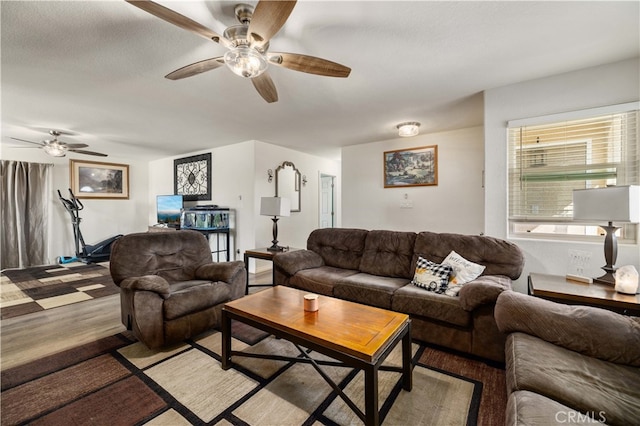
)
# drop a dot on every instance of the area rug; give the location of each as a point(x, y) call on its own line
point(24, 291)
point(118, 381)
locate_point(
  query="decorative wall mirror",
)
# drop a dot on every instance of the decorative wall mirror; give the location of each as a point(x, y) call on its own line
point(288, 184)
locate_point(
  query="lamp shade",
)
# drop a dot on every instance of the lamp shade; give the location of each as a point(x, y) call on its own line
point(275, 206)
point(611, 204)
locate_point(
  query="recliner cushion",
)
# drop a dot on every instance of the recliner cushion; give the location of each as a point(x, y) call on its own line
point(192, 296)
point(578, 381)
point(388, 254)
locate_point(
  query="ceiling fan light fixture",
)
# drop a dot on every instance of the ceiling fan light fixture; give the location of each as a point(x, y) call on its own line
point(407, 129)
point(54, 149)
point(245, 61)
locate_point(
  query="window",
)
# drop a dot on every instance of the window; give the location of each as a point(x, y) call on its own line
point(551, 156)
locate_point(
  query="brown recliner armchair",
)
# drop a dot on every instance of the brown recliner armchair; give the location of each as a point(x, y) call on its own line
point(170, 289)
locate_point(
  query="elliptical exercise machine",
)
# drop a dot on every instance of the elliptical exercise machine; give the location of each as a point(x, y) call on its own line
point(100, 252)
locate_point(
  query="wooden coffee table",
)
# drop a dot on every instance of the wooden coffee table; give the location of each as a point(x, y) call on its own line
point(359, 336)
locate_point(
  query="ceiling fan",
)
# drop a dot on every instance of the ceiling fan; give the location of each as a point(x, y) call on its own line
point(248, 44)
point(56, 148)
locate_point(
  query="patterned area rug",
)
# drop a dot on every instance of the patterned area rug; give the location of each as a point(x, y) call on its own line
point(23, 291)
point(119, 381)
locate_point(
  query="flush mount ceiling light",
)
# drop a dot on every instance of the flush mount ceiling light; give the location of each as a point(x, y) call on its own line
point(409, 128)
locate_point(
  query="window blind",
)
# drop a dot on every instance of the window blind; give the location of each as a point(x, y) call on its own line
point(548, 161)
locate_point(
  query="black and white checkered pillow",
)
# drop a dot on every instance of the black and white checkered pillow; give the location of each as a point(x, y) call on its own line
point(431, 276)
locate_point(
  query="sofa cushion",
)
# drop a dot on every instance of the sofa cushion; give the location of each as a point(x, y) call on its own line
point(388, 254)
point(193, 296)
point(338, 247)
point(320, 280)
point(582, 382)
point(368, 289)
point(414, 300)
point(499, 256)
point(526, 408)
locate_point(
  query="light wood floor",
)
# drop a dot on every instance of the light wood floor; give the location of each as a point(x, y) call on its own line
point(33, 336)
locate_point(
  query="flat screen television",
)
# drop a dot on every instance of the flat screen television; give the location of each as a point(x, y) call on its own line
point(169, 208)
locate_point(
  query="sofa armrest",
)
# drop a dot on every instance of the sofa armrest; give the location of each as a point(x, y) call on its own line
point(152, 283)
point(483, 290)
point(221, 271)
point(291, 262)
point(590, 331)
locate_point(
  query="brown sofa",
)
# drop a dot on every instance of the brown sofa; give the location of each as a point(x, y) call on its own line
point(569, 364)
point(376, 268)
point(170, 289)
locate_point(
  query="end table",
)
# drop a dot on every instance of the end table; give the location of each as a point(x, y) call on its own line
point(559, 289)
point(264, 254)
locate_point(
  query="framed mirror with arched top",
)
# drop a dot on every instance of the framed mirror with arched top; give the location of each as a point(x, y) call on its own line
point(288, 184)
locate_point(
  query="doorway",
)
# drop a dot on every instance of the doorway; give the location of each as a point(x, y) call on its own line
point(327, 201)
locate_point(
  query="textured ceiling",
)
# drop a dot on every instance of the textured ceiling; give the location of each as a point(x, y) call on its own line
point(97, 69)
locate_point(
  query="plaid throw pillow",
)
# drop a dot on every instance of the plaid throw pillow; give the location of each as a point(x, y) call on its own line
point(431, 276)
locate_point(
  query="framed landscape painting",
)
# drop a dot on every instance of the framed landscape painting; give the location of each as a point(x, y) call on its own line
point(411, 167)
point(91, 179)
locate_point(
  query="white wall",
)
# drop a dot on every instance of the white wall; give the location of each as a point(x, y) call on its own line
point(454, 205)
point(100, 218)
point(293, 230)
point(593, 87)
point(232, 183)
point(239, 180)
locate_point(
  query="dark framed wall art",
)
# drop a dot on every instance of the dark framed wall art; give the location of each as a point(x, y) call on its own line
point(411, 167)
point(91, 179)
point(192, 177)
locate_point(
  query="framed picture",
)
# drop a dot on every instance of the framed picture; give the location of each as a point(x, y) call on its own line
point(411, 167)
point(91, 179)
point(192, 177)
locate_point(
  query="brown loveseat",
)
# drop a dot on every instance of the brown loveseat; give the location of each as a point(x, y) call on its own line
point(569, 364)
point(170, 289)
point(376, 268)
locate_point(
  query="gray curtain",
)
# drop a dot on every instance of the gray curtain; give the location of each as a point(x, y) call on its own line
point(24, 214)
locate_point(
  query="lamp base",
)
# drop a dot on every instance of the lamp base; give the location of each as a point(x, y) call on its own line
point(607, 278)
point(276, 247)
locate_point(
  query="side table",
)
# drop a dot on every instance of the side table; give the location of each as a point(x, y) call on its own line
point(264, 254)
point(559, 289)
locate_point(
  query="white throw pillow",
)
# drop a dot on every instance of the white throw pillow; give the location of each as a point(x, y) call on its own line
point(463, 270)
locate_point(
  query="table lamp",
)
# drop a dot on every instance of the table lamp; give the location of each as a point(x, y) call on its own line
point(276, 207)
point(611, 204)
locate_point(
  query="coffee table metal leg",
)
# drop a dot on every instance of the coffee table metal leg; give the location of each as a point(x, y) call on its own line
point(226, 340)
point(372, 417)
point(407, 381)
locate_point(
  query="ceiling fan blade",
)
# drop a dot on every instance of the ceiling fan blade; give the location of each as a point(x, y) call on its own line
point(264, 85)
point(74, 145)
point(196, 68)
point(179, 20)
point(309, 64)
point(268, 18)
point(80, 151)
point(22, 140)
